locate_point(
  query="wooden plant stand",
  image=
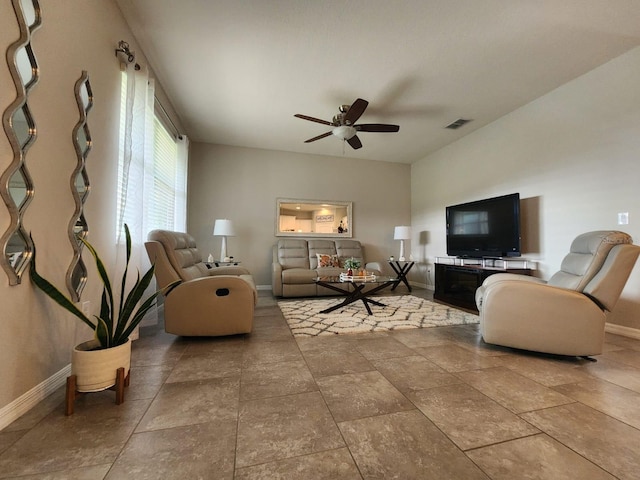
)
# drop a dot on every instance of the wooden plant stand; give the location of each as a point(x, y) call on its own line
point(122, 381)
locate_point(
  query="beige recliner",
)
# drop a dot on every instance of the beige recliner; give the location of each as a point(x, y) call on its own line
point(208, 302)
point(567, 314)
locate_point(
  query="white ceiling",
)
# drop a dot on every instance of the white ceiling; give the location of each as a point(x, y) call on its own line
point(237, 71)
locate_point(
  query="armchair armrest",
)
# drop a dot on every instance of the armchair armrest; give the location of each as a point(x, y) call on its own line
point(511, 277)
point(218, 305)
point(540, 317)
point(373, 266)
point(276, 279)
point(228, 270)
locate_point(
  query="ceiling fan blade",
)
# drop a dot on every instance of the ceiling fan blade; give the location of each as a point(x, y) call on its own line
point(355, 111)
point(312, 119)
point(318, 137)
point(355, 142)
point(377, 127)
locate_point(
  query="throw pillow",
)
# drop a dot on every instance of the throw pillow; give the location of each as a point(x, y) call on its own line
point(326, 260)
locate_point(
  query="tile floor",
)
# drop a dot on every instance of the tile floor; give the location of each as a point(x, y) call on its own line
point(414, 404)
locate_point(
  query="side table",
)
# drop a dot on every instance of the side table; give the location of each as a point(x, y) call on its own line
point(220, 263)
point(402, 269)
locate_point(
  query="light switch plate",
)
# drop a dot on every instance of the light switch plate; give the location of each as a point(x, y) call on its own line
point(623, 218)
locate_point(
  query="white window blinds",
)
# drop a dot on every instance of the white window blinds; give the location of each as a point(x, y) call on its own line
point(152, 185)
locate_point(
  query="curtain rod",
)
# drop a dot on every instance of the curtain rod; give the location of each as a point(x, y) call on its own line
point(168, 118)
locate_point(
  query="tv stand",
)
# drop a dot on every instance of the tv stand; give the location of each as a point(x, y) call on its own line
point(457, 279)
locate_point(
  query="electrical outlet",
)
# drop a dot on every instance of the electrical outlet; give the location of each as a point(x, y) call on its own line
point(86, 308)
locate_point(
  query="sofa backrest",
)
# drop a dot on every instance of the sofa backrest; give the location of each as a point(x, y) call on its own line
point(586, 257)
point(292, 253)
point(606, 286)
point(181, 252)
point(350, 248)
point(302, 253)
point(322, 247)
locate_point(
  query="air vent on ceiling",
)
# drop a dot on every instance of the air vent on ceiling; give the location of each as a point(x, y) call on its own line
point(457, 124)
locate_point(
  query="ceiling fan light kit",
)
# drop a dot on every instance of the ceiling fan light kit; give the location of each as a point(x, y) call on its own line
point(344, 124)
point(345, 132)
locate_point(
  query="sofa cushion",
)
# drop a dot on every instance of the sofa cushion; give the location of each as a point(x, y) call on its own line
point(298, 276)
point(329, 271)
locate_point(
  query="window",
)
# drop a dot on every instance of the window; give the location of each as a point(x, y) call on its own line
point(152, 165)
point(168, 194)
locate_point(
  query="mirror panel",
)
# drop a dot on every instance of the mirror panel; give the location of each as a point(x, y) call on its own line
point(25, 67)
point(15, 252)
point(16, 186)
point(23, 127)
point(31, 12)
point(80, 186)
point(313, 218)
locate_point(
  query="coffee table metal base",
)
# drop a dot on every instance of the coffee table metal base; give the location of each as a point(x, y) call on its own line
point(356, 294)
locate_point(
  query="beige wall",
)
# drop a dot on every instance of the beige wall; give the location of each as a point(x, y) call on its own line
point(242, 184)
point(574, 156)
point(36, 336)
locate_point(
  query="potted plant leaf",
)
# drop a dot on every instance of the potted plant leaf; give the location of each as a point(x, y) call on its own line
point(352, 265)
point(95, 362)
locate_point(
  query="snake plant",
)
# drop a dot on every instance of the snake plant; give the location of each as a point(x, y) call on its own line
point(115, 323)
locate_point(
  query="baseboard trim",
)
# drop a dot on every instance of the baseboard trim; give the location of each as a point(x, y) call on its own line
point(24, 403)
point(621, 330)
point(421, 285)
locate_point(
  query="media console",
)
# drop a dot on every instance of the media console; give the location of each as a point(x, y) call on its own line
point(457, 279)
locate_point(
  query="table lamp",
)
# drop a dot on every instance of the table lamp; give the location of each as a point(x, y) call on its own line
point(223, 228)
point(402, 233)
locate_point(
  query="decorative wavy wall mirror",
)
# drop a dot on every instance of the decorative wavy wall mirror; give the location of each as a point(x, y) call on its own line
point(313, 218)
point(16, 186)
point(80, 186)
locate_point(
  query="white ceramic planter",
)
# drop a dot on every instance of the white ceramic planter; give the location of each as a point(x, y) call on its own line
point(97, 369)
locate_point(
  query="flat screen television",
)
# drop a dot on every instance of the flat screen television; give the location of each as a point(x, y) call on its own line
point(485, 228)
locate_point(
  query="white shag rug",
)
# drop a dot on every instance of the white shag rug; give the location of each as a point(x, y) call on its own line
point(402, 312)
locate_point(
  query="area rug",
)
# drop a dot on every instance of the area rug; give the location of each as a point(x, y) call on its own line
point(401, 312)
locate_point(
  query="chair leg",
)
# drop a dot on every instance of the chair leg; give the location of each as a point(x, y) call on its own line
point(589, 358)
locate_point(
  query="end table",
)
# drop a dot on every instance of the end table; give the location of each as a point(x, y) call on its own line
point(220, 263)
point(402, 269)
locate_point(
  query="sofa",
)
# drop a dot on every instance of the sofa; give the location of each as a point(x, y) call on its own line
point(297, 262)
point(207, 301)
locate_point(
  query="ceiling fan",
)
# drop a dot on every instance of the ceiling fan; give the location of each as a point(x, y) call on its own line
point(344, 124)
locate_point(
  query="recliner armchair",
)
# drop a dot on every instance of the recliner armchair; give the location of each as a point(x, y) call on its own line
point(208, 302)
point(567, 314)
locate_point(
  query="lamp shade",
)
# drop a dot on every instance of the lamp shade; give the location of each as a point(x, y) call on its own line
point(223, 228)
point(402, 233)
